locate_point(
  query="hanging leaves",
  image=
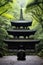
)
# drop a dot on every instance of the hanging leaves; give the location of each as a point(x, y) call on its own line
point(8, 16)
point(4, 6)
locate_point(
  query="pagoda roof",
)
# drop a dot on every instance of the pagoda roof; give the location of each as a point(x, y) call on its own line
point(22, 40)
point(21, 32)
point(21, 44)
point(21, 23)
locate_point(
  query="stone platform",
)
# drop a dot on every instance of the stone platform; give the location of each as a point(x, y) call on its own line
point(12, 60)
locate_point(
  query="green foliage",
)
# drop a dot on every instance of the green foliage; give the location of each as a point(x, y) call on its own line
point(3, 34)
point(35, 8)
point(3, 50)
point(8, 16)
point(6, 8)
point(8, 11)
point(4, 5)
point(41, 53)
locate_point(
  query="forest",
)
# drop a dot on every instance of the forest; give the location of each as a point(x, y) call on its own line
point(10, 10)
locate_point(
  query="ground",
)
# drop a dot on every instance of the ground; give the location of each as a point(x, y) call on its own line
point(12, 60)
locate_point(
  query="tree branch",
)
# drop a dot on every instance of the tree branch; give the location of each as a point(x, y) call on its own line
point(3, 12)
point(5, 3)
point(40, 7)
point(35, 18)
point(35, 15)
point(32, 4)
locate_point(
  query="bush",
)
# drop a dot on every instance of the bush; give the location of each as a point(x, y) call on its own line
point(41, 53)
point(1, 54)
point(39, 47)
point(3, 51)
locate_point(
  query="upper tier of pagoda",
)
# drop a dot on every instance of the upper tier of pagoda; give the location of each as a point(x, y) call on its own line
point(21, 21)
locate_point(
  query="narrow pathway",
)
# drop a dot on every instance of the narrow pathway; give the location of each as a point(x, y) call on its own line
point(12, 60)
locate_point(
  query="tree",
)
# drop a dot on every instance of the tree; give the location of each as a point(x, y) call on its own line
point(36, 8)
point(8, 11)
point(4, 23)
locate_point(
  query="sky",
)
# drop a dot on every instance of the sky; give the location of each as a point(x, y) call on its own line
point(22, 3)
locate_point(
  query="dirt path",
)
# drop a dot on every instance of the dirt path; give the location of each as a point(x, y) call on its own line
point(12, 60)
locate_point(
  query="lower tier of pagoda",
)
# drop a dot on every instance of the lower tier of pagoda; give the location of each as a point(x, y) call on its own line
point(21, 44)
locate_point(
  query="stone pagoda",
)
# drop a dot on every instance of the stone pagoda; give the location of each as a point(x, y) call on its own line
point(20, 42)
